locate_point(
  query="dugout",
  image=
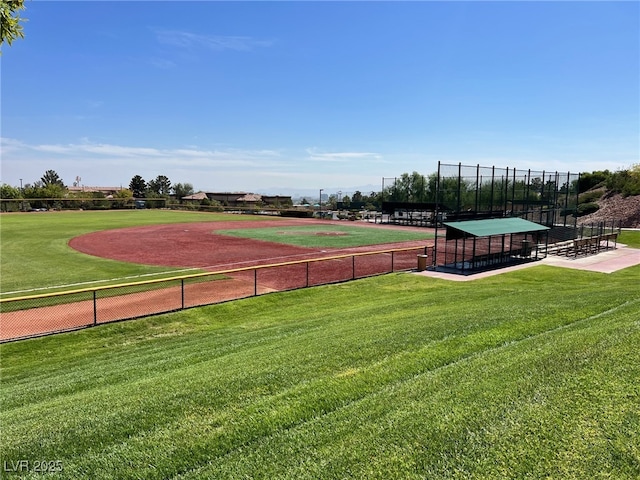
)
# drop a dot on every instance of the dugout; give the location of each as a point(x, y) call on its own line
point(476, 245)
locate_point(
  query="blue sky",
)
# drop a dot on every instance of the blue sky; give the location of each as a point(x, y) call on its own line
point(274, 97)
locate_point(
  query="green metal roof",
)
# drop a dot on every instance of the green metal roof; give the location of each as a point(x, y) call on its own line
point(494, 226)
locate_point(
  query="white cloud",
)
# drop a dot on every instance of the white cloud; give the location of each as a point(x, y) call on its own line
point(111, 152)
point(184, 39)
point(61, 149)
point(317, 156)
point(219, 168)
point(116, 164)
point(9, 145)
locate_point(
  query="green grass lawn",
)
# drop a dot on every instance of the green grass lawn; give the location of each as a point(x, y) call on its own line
point(630, 238)
point(329, 236)
point(35, 253)
point(528, 374)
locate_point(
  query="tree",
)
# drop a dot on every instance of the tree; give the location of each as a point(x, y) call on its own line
point(138, 186)
point(51, 178)
point(124, 194)
point(8, 191)
point(53, 190)
point(49, 187)
point(160, 186)
point(590, 180)
point(410, 188)
point(182, 190)
point(373, 201)
point(10, 27)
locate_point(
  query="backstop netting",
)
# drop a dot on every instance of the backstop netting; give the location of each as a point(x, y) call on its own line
point(475, 192)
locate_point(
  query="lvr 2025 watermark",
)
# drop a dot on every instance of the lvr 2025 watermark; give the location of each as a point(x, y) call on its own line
point(32, 466)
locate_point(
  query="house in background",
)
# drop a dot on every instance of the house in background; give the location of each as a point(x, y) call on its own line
point(106, 191)
point(242, 199)
point(195, 197)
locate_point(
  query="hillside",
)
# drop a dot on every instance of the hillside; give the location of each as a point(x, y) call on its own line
point(614, 206)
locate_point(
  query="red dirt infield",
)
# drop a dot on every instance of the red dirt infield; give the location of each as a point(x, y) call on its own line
point(197, 245)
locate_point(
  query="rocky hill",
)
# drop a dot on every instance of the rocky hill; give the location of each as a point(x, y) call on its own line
point(614, 206)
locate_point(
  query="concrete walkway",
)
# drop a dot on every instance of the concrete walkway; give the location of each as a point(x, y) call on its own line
point(605, 262)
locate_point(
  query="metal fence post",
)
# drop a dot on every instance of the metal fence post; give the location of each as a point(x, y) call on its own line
point(353, 267)
point(95, 308)
point(182, 293)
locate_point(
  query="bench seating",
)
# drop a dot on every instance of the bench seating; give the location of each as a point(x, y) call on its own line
point(584, 246)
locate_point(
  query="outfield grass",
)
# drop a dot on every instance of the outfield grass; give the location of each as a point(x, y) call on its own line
point(35, 251)
point(328, 236)
point(528, 374)
point(35, 256)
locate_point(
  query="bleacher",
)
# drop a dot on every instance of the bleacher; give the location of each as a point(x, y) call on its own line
point(584, 246)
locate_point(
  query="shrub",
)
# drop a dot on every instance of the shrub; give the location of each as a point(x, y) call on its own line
point(211, 208)
point(185, 206)
point(625, 182)
point(587, 208)
point(591, 196)
point(589, 180)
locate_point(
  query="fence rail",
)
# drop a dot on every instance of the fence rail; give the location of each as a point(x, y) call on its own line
point(38, 315)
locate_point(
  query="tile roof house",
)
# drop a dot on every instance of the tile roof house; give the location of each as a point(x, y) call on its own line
point(196, 196)
point(242, 199)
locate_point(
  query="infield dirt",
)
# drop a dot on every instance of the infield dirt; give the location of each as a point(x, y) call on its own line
point(197, 245)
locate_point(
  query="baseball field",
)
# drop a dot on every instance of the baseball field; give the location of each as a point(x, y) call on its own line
point(188, 260)
point(528, 374)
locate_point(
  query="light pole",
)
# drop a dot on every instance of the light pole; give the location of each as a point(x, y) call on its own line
point(320, 203)
point(21, 196)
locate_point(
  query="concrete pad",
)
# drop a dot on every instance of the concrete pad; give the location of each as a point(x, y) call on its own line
point(605, 262)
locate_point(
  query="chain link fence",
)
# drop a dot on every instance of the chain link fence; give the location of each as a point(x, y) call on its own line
point(37, 315)
point(471, 192)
